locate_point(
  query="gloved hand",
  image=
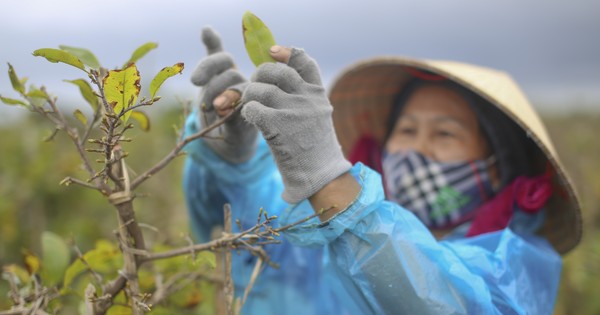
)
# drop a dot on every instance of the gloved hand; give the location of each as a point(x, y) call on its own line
point(290, 107)
point(222, 85)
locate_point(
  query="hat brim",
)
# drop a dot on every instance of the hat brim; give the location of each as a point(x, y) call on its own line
point(362, 97)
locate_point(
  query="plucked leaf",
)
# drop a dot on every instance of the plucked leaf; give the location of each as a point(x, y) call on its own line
point(141, 118)
point(121, 88)
point(86, 56)
point(140, 52)
point(257, 39)
point(80, 116)
point(57, 55)
point(12, 101)
point(86, 91)
point(55, 258)
point(163, 75)
point(17, 84)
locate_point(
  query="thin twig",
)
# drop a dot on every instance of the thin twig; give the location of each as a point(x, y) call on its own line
point(228, 288)
point(229, 240)
point(70, 180)
point(175, 152)
point(90, 127)
point(291, 225)
point(253, 277)
point(74, 136)
point(96, 276)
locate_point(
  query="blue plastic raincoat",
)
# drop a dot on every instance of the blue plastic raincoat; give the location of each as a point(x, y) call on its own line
point(374, 257)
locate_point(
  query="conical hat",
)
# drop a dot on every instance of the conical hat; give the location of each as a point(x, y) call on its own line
point(362, 97)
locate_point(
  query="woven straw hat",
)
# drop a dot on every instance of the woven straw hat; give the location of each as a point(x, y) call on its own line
point(362, 97)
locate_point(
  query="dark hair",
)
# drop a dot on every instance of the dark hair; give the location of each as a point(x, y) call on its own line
point(508, 142)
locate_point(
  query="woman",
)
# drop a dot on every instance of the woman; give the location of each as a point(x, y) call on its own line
point(489, 186)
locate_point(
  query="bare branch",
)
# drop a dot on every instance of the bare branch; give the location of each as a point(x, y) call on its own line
point(175, 152)
point(90, 127)
point(96, 276)
point(70, 180)
point(228, 288)
point(291, 225)
point(255, 272)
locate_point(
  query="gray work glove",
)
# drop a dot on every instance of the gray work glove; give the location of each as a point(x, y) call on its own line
point(235, 140)
point(290, 107)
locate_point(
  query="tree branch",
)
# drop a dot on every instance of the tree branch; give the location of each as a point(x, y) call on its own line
point(175, 152)
point(228, 288)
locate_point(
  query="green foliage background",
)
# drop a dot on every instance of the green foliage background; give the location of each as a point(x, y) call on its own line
point(31, 200)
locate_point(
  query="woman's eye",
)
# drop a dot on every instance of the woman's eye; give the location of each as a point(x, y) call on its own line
point(445, 134)
point(407, 131)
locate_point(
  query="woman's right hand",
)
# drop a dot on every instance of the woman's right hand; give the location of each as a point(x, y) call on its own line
point(222, 87)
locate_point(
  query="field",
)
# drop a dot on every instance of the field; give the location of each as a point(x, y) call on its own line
point(32, 201)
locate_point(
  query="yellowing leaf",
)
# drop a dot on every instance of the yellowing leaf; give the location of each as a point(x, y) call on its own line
point(121, 88)
point(143, 119)
point(55, 258)
point(18, 271)
point(80, 116)
point(257, 39)
point(57, 55)
point(163, 75)
point(32, 263)
point(86, 91)
point(140, 52)
point(86, 56)
point(12, 101)
point(14, 80)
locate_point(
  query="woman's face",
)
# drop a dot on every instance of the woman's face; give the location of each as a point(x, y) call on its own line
point(438, 123)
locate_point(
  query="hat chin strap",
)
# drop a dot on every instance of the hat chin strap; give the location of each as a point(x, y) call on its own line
point(426, 76)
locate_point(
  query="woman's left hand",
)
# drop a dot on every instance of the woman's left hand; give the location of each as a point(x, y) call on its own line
point(288, 104)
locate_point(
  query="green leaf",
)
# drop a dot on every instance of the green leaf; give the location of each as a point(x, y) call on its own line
point(75, 269)
point(140, 52)
point(86, 91)
point(37, 93)
point(163, 75)
point(119, 310)
point(37, 97)
point(207, 258)
point(55, 258)
point(141, 118)
point(80, 116)
point(105, 258)
point(17, 84)
point(57, 55)
point(257, 39)
point(12, 101)
point(121, 89)
point(86, 56)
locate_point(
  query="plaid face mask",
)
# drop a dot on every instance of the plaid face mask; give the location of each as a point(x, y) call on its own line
point(442, 195)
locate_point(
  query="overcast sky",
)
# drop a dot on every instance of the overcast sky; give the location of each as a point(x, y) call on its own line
point(550, 47)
